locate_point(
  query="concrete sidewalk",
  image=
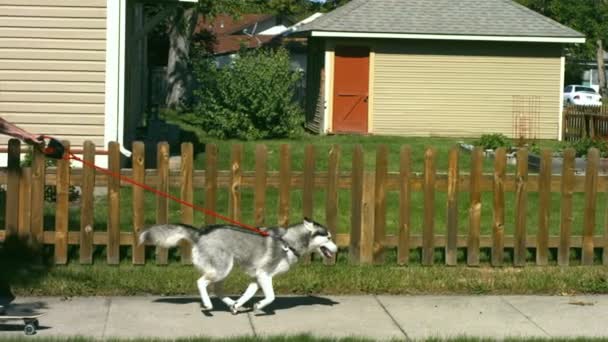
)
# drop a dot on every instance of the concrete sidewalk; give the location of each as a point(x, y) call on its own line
point(376, 317)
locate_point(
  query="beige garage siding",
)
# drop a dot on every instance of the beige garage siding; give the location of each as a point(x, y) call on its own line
point(52, 67)
point(435, 88)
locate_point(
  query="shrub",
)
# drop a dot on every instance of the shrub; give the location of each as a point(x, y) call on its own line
point(582, 146)
point(493, 141)
point(253, 98)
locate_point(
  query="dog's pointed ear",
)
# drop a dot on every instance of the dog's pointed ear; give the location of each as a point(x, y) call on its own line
point(309, 224)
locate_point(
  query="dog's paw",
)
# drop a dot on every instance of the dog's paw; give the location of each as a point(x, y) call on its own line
point(206, 308)
point(234, 310)
point(257, 310)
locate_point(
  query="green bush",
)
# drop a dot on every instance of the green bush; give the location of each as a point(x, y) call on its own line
point(582, 146)
point(253, 98)
point(493, 141)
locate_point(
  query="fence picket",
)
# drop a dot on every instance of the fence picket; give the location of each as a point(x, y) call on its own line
point(379, 223)
point(563, 254)
point(236, 178)
point(452, 208)
point(308, 189)
point(210, 181)
point(591, 175)
point(162, 204)
point(62, 208)
point(186, 194)
point(88, 205)
point(139, 162)
point(544, 212)
point(261, 159)
point(428, 224)
point(521, 199)
point(284, 185)
point(113, 231)
point(331, 202)
point(37, 196)
point(12, 187)
point(356, 203)
point(498, 230)
point(405, 199)
point(475, 207)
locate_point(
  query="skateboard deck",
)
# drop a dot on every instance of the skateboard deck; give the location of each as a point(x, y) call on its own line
point(30, 320)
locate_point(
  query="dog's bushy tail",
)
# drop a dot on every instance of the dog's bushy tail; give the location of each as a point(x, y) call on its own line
point(168, 235)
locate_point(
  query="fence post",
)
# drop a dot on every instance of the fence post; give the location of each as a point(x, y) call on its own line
point(113, 243)
point(380, 204)
point(62, 208)
point(186, 194)
point(88, 205)
point(284, 185)
point(331, 202)
point(234, 202)
point(261, 159)
point(521, 199)
point(367, 219)
point(451, 257)
point(25, 205)
point(37, 196)
point(475, 207)
point(544, 212)
point(356, 203)
point(162, 204)
point(428, 233)
point(309, 185)
point(12, 187)
point(591, 180)
point(403, 248)
point(567, 188)
point(139, 175)
point(210, 181)
point(498, 229)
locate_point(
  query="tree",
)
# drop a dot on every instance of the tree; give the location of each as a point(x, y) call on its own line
point(586, 16)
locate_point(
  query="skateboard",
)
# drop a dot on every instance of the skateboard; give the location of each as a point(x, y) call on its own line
point(30, 320)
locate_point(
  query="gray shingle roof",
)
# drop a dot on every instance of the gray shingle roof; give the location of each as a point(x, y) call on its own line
point(441, 17)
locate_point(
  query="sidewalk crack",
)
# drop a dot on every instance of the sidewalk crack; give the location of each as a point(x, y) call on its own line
point(527, 317)
point(392, 319)
point(108, 303)
point(255, 334)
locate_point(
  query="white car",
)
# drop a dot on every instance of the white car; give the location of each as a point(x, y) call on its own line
point(581, 96)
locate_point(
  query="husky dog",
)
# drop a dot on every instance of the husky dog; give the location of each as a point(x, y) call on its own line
point(216, 249)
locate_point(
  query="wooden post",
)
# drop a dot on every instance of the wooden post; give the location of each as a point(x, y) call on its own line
point(331, 202)
point(62, 209)
point(452, 208)
point(187, 194)
point(356, 203)
point(113, 247)
point(139, 174)
point(261, 159)
point(567, 189)
point(521, 199)
point(498, 229)
point(12, 187)
point(236, 178)
point(284, 185)
point(475, 207)
point(37, 196)
point(428, 234)
point(25, 204)
point(380, 204)
point(591, 181)
point(87, 199)
point(367, 220)
point(403, 247)
point(544, 211)
point(210, 181)
point(162, 204)
point(308, 190)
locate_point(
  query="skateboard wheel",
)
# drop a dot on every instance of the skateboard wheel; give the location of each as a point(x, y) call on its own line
point(30, 329)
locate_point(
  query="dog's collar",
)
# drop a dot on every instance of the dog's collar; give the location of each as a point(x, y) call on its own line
point(287, 247)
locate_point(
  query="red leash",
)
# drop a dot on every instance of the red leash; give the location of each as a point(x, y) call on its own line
point(56, 151)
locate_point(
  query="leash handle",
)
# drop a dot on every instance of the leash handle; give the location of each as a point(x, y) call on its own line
point(53, 149)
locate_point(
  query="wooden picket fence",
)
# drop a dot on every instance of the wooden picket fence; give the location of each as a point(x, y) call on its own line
point(367, 240)
point(585, 122)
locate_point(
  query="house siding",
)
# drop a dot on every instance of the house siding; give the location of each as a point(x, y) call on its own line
point(52, 67)
point(465, 89)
